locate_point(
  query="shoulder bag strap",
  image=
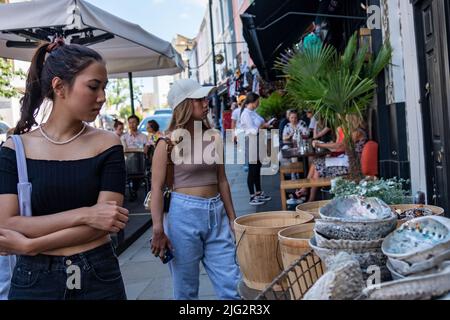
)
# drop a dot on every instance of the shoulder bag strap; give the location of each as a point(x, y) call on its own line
point(169, 168)
point(24, 186)
point(170, 165)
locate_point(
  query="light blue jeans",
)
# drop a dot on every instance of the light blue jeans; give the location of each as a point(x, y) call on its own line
point(199, 231)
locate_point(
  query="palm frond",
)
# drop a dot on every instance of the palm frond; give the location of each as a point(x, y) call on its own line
point(381, 61)
point(350, 50)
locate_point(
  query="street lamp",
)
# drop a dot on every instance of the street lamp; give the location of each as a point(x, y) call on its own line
point(216, 97)
point(187, 52)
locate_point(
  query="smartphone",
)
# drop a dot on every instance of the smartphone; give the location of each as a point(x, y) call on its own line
point(168, 255)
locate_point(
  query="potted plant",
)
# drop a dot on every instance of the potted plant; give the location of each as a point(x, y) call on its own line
point(391, 191)
point(335, 86)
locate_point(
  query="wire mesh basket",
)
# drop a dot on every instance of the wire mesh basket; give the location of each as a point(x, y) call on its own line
point(296, 280)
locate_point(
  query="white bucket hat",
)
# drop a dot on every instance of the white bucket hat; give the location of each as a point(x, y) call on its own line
point(186, 89)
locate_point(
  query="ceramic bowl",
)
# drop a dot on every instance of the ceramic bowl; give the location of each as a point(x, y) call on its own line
point(407, 269)
point(355, 245)
point(356, 209)
point(418, 240)
point(418, 287)
point(356, 218)
point(366, 257)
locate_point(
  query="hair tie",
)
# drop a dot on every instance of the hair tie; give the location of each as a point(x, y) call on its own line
point(58, 42)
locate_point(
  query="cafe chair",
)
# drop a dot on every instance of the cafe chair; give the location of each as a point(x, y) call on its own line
point(136, 169)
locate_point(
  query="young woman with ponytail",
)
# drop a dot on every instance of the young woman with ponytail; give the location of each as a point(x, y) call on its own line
point(77, 174)
point(251, 123)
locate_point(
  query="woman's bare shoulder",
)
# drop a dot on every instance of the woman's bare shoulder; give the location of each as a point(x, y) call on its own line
point(102, 139)
point(28, 137)
point(9, 144)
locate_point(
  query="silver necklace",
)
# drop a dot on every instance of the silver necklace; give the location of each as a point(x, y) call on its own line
point(62, 142)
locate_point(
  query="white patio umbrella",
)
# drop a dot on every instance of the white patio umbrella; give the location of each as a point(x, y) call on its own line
point(126, 47)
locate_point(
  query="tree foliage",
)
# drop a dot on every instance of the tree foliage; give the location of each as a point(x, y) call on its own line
point(272, 106)
point(7, 75)
point(118, 93)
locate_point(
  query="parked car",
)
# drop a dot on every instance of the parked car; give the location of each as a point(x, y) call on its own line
point(163, 111)
point(105, 122)
point(162, 119)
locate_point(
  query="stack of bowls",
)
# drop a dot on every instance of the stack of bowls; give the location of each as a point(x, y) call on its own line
point(419, 259)
point(356, 225)
point(418, 247)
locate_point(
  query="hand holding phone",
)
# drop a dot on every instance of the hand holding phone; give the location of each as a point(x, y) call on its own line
point(168, 255)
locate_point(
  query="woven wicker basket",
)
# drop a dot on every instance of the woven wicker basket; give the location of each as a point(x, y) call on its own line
point(437, 211)
point(312, 207)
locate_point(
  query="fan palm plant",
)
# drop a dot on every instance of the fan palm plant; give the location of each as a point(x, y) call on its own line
point(335, 86)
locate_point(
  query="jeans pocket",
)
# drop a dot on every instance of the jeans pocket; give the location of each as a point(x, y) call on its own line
point(24, 277)
point(107, 271)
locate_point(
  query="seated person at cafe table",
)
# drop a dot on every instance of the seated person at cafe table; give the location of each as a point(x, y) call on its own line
point(134, 141)
point(336, 164)
point(294, 126)
point(153, 135)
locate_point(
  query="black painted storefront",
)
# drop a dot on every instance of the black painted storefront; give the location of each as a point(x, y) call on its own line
point(432, 27)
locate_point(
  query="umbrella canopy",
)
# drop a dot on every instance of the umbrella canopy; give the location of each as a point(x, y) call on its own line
point(125, 46)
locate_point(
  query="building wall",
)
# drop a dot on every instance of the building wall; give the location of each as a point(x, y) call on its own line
point(239, 7)
point(227, 27)
point(412, 96)
point(403, 94)
point(224, 37)
point(204, 66)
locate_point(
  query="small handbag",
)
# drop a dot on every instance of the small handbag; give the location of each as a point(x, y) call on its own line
point(167, 191)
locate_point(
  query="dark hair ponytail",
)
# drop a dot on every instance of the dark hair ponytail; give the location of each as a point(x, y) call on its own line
point(63, 61)
point(251, 97)
point(33, 98)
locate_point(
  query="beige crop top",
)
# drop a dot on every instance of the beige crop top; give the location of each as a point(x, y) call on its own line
point(194, 175)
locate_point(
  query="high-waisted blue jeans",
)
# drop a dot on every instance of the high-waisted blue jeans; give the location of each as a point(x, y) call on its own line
point(199, 231)
point(91, 275)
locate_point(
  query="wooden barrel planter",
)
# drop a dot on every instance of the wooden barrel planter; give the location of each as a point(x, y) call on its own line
point(294, 243)
point(312, 207)
point(257, 245)
point(437, 211)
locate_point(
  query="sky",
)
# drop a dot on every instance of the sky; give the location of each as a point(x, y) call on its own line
point(163, 18)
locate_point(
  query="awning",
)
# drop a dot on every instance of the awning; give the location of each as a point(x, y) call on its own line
point(271, 27)
point(125, 46)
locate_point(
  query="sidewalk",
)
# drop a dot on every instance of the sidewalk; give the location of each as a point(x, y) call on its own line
point(146, 278)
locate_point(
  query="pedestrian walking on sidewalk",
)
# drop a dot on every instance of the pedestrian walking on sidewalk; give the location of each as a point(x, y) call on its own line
point(251, 123)
point(199, 224)
point(77, 173)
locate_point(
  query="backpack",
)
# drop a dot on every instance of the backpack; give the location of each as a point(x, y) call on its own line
point(7, 263)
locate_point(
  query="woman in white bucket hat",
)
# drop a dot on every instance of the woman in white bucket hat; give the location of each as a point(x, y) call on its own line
point(199, 224)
